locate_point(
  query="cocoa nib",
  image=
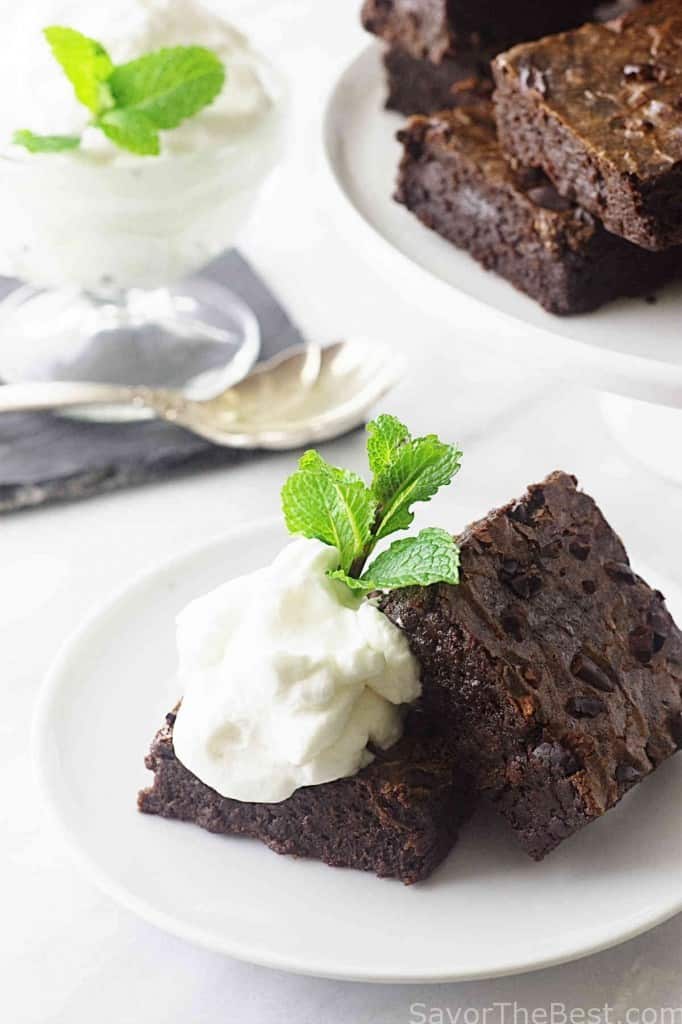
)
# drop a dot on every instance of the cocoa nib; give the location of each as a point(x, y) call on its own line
point(620, 572)
point(584, 668)
point(524, 582)
point(548, 197)
point(526, 586)
point(585, 707)
point(580, 548)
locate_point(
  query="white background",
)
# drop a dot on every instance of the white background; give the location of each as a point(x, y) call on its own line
point(67, 954)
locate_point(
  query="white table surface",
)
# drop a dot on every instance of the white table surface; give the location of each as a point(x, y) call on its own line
point(68, 955)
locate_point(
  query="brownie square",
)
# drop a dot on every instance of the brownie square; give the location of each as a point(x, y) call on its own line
point(437, 29)
point(455, 178)
point(556, 670)
point(399, 817)
point(420, 86)
point(599, 109)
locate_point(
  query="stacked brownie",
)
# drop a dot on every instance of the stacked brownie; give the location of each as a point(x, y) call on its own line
point(438, 52)
point(455, 177)
point(599, 110)
point(417, 86)
point(570, 184)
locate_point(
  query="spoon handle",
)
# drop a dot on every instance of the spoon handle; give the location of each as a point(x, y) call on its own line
point(60, 395)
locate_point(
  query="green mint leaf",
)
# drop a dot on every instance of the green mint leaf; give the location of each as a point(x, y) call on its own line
point(430, 557)
point(419, 468)
point(45, 143)
point(169, 85)
point(86, 64)
point(385, 435)
point(131, 130)
point(356, 583)
point(331, 505)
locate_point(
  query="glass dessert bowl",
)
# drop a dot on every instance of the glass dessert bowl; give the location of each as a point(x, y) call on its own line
point(108, 245)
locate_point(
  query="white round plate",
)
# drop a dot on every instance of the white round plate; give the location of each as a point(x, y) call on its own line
point(629, 346)
point(488, 910)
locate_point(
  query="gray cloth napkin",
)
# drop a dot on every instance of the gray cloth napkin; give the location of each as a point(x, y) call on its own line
point(45, 458)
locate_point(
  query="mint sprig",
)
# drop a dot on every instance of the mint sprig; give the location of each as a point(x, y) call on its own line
point(337, 507)
point(132, 102)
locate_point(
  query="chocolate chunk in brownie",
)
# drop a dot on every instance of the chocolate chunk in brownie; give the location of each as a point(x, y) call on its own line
point(437, 29)
point(599, 109)
point(557, 669)
point(420, 86)
point(398, 817)
point(455, 178)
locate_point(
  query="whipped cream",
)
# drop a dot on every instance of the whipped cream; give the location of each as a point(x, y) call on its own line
point(99, 217)
point(44, 101)
point(286, 678)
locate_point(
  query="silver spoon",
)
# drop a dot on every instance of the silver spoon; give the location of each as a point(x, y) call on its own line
point(304, 394)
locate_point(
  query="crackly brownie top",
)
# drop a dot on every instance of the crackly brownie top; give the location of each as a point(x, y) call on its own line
point(582, 647)
point(618, 85)
point(469, 133)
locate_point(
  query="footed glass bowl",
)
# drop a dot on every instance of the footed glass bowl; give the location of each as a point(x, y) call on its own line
point(109, 253)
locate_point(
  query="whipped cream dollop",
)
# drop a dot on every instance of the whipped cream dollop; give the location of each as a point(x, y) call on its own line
point(99, 217)
point(43, 100)
point(286, 678)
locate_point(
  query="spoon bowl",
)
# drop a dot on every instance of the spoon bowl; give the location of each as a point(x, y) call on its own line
point(351, 377)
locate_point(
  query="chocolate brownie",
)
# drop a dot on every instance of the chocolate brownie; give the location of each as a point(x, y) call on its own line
point(398, 817)
point(556, 669)
point(599, 109)
point(420, 86)
point(455, 178)
point(437, 29)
